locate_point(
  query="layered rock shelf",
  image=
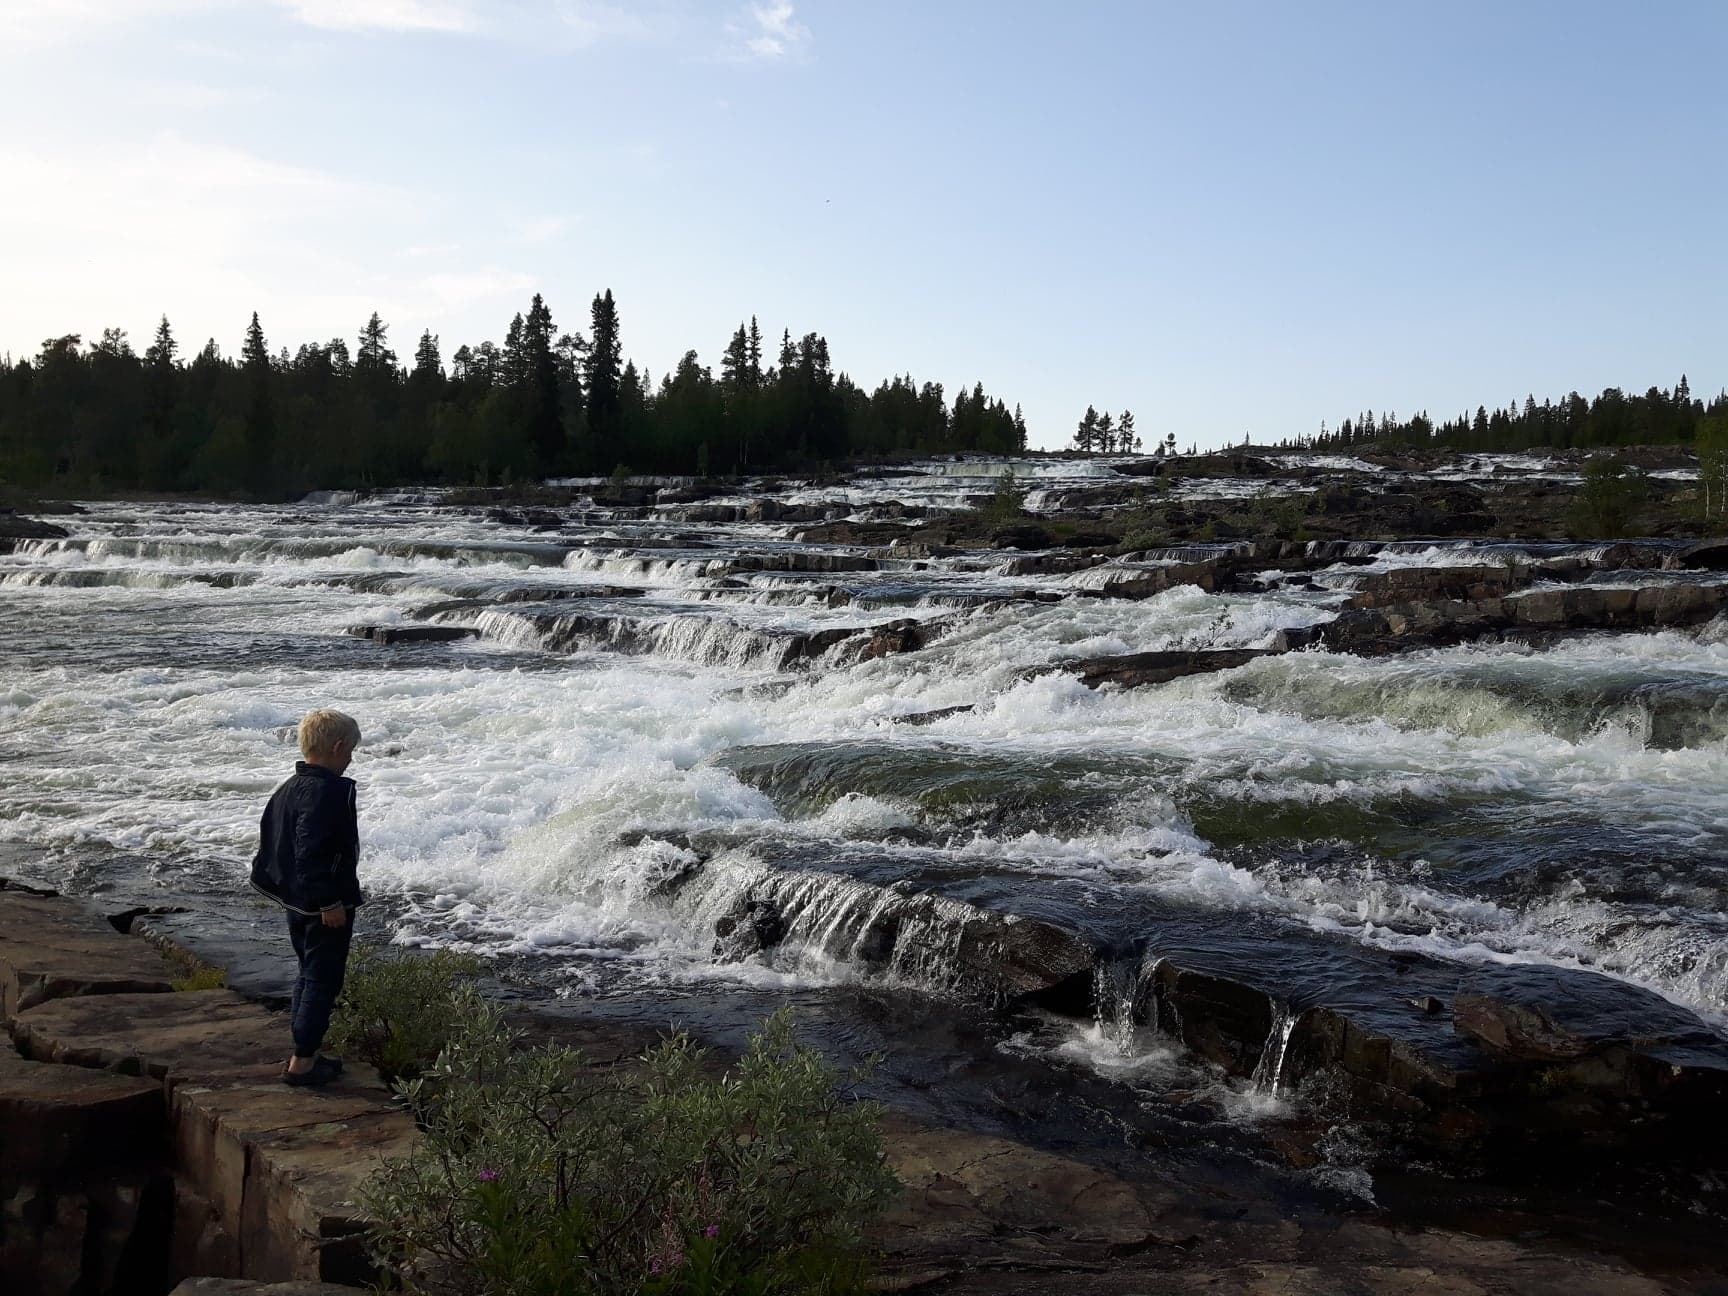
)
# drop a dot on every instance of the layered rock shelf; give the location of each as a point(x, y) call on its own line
point(148, 1145)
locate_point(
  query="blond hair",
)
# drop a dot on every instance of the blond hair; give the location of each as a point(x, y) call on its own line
point(321, 731)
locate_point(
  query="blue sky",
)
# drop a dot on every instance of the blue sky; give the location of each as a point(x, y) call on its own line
point(1229, 217)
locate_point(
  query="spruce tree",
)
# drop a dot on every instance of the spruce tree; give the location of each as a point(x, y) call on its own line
point(260, 423)
point(544, 404)
point(601, 370)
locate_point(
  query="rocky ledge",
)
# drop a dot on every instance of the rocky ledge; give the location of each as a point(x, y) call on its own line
point(147, 1142)
point(14, 528)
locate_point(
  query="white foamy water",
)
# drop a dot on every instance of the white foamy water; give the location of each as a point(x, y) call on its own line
point(536, 789)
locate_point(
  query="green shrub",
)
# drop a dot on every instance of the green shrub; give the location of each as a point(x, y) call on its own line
point(1609, 500)
point(543, 1176)
point(191, 972)
point(1007, 500)
point(398, 1008)
point(202, 977)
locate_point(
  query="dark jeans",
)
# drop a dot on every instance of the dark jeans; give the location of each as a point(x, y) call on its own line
point(323, 955)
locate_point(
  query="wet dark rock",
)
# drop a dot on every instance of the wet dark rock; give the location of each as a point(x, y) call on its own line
point(895, 637)
point(1442, 622)
point(771, 510)
point(1224, 464)
point(1047, 564)
point(931, 717)
point(1522, 1032)
point(795, 561)
point(1088, 540)
point(1137, 670)
point(523, 594)
point(14, 528)
point(534, 518)
point(1403, 584)
point(1020, 536)
point(407, 634)
point(1295, 638)
point(1133, 581)
point(755, 927)
point(1709, 555)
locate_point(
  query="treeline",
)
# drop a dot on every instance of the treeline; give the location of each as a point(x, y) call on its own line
point(544, 403)
point(1658, 417)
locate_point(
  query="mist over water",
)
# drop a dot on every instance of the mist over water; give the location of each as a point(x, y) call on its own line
point(644, 696)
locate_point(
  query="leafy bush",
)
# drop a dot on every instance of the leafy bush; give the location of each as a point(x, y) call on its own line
point(541, 1175)
point(398, 1009)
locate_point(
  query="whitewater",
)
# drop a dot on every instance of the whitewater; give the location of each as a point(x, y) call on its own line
point(645, 699)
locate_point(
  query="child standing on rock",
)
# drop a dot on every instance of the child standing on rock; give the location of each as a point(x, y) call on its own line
point(307, 862)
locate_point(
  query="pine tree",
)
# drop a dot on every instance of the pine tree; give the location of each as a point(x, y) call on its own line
point(375, 358)
point(156, 466)
point(544, 405)
point(601, 371)
point(1125, 437)
point(260, 421)
point(1086, 435)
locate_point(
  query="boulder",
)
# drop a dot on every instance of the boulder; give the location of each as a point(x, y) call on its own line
point(1708, 555)
point(1137, 581)
point(931, 717)
point(1025, 535)
point(14, 528)
point(403, 634)
point(1047, 564)
point(1023, 956)
point(895, 637)
point(1137, 670)
point(756, 926)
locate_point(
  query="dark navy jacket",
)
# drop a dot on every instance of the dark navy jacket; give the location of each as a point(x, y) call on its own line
point(309, 842)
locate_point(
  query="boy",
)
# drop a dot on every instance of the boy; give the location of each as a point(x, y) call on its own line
point(308, 853)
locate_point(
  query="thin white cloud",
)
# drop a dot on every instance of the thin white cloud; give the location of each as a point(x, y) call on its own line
point(541, 229)
point(587, 22)
point(209, 233)
point(385, 15)
point(48, 21)
point(569, 23)
point(770, 32)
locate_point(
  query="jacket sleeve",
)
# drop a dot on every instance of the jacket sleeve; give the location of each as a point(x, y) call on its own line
point(320, 840)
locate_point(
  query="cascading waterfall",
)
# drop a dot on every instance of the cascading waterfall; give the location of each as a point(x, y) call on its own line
point(1269, 1070)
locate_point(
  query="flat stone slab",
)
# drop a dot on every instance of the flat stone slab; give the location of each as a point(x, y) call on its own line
point(57, 1121)
point(276, 1170)
point(254, 1145)
point(194, 1036)
point(53, 948)
point(247, 1287)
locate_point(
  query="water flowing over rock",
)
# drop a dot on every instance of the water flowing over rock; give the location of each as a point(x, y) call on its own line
point(1391, 853)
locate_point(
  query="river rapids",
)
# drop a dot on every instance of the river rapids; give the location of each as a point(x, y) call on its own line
point(657, 722)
